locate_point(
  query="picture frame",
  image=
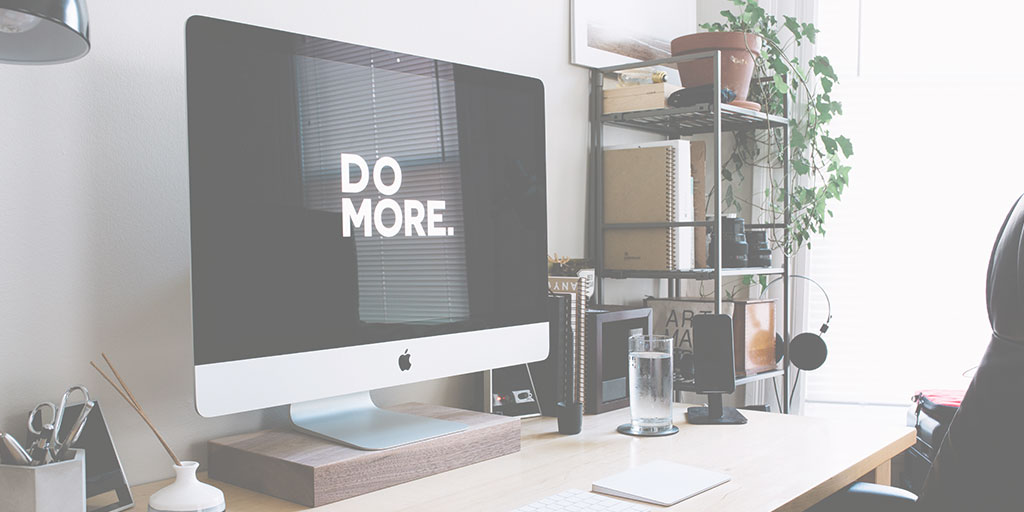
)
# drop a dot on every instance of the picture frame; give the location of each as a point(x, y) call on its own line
point(609, 32)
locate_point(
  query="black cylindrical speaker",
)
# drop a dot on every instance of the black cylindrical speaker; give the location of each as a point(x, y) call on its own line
point(570, 418)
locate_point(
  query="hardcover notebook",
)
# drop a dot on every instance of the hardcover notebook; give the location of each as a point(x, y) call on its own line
point(660, 482)
point(578, 289)
point(644, 183)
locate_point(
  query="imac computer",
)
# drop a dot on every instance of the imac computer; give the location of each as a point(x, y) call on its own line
point(360, 218)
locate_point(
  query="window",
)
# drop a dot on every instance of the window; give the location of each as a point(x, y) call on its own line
point(931, 108)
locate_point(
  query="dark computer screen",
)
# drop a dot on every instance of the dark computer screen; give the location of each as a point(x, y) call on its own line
point(344, 195)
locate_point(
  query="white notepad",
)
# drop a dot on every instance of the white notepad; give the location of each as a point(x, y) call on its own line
point(660, 482)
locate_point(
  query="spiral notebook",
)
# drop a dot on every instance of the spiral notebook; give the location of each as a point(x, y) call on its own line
point(646, 184)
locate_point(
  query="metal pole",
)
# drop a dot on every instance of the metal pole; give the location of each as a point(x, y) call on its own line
point(597, 162)
point(716, 239)
point(787, 309)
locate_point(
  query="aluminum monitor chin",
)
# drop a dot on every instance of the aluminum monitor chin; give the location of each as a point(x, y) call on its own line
point(360, 218)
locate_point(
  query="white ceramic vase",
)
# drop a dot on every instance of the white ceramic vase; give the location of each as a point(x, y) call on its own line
point(187, 493)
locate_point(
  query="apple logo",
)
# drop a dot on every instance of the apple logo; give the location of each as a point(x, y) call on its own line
point(403, 361)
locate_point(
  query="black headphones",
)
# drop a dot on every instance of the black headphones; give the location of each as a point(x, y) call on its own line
point(807, 350)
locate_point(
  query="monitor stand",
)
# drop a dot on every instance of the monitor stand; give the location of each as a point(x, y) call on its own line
point(354, 420)
point(714, 413)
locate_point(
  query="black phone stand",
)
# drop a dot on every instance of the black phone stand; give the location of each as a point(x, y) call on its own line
point(714, 413)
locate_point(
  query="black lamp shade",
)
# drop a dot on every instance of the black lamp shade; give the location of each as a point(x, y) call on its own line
point(61, 33)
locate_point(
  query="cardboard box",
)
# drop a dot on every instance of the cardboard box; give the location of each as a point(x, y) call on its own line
point(638, 97)
point(753, 328)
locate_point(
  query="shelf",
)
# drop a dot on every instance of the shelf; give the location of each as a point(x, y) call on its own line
point(697, 273)
point(683, 224)
point(689, 386)
point(648, 225)
point(674, 123)
point(693, 120)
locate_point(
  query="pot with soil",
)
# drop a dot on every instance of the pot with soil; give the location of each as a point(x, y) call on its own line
point(739, 49)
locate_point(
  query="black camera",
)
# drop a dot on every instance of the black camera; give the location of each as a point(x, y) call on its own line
point(734, 242)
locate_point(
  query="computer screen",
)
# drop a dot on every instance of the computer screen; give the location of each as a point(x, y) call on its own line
point(345, 196)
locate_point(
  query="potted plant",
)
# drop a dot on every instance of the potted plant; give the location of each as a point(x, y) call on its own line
point(817, 155)
point(739, 51)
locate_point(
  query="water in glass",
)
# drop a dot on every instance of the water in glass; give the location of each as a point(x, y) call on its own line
point(650, 384)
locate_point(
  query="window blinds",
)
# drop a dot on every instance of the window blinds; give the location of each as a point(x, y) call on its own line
point(375, 103)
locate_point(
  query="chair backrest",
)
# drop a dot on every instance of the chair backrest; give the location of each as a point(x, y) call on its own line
point(980, 464)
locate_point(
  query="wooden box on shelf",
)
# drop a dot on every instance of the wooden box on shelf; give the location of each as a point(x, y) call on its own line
point(637, 97)
point(753, 328)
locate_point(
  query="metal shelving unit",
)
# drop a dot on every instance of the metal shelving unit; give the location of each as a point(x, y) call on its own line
point(715, 118)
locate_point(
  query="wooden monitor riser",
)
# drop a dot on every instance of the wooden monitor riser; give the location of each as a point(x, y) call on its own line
point(311, 471)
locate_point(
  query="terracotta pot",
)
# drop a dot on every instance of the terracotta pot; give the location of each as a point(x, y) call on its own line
point(737, 61)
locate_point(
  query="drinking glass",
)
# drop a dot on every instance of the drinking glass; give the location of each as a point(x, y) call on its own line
point(650, 386)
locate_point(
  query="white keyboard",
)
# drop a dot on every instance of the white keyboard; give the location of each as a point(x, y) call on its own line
point(575, 500)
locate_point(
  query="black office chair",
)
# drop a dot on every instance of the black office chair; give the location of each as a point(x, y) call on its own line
point(980, 464)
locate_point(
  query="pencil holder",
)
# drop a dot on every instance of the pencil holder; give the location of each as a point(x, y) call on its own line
point(56, 487)
point(187, 493)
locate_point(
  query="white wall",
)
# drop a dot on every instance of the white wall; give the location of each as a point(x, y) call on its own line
point(93, 196)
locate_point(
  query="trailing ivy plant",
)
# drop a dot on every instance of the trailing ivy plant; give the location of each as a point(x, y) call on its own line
point(818, 157)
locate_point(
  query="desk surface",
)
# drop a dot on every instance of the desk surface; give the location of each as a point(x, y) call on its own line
point(777, 462)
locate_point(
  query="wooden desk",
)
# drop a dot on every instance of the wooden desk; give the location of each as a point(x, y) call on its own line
point(777, 462)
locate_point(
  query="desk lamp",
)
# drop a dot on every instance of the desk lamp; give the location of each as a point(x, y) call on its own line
point(43, 31)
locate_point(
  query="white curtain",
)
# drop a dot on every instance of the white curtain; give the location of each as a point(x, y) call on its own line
point(935, 170)
point(770, 391)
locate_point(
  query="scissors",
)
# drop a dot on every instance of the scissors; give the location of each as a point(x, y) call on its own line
point(44, 441)
point(40, 437)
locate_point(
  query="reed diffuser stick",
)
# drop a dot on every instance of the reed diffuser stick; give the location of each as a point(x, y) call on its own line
point(134, 402)
point(130, 398)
